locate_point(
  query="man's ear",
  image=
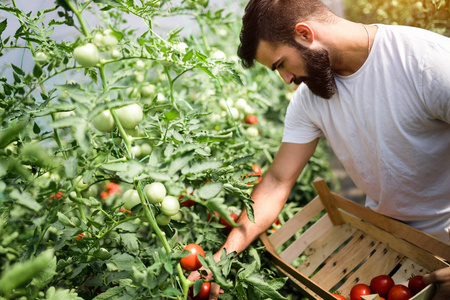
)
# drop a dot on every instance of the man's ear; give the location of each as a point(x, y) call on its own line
point(304, 33)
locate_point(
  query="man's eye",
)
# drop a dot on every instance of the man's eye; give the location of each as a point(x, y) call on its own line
point(280, 65)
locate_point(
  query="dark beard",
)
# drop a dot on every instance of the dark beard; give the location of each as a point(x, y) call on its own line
point(320, 79)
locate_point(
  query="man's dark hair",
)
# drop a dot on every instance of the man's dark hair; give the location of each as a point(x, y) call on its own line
point(274, 21)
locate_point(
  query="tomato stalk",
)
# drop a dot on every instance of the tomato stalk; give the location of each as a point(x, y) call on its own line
point(123, 133)
point(79, 17)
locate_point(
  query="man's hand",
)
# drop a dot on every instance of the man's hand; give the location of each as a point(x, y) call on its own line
point(215, 288)
point(442, 279)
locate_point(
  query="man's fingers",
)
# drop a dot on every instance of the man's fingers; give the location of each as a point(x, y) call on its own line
point(439, 276)
point(214, 291)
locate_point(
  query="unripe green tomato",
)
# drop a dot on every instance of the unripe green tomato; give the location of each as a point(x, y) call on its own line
point(115, 54)
point(241, 104)
point(181, 47)
point(40, 58)
point(138, 76)
point(178, 217)
point(235, 113)
point(140, 65)
point(87, 55)
point(130, 116)
point(64, 94)
point(92, 191)
point(163, 219)
point(131, 199)
point(103, 121)
point(148, 90)
point(252, 132)
point(146, 149)
point(136, 151)
point(109, 42)
point(98, 39)
point(155, 192)
point(170, 206)
point(80, 184)
point(132, 92)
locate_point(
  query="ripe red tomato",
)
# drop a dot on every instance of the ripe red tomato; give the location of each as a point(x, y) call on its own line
point(359, 290)
point(191, 262)
point(227, 225)
point(251, 119)
point(338, 296)
point(80, 236)
point(381, 284)
point(399, 292)
point(416, 284)
point(186, 202)
point(204, 292)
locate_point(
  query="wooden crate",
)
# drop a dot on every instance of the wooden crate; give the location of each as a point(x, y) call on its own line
point(349, 244)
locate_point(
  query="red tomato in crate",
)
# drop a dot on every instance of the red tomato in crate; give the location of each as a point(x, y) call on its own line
point(381, 284)
point(359, 290)
point(339, 297)
point(399, 292)
point(416, 284)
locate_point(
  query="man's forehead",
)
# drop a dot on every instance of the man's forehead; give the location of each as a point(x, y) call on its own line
point(266, 54)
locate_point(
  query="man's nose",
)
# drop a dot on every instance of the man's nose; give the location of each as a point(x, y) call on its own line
point(287, 76)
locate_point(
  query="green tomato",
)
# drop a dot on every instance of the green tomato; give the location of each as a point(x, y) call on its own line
point(252, 132)
point(178, 217)
point(41, 58)
point(136, 151)
point(109, 42)
point(130, 116)
point(115, 54)
point(87, 55)
point(92, 191)
point(146, 149)
point(80, 184)
point(131, 199)
point(148, 90)
point(103, 121)
point(170, 206)
point(162, 219)
point(155, 192)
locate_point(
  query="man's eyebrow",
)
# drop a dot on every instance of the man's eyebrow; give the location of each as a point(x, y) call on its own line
point(275, 64)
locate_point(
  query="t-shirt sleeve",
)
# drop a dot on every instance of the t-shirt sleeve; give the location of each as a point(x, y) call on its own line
point(436, 80)
point(298, 126)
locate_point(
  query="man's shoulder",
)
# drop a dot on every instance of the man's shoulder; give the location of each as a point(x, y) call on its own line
point(413, 34)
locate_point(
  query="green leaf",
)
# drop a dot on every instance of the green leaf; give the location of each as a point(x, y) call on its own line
point(111, 293)
point(26, 199)
point(209, 263)
point(201, 166)
point(262, 286)
point(172, 114)
point(21, 273)
point(179, 162)
point(130, 241)
point(58, 294)
point(3, 25)
point(44, 277)
point(210, 190)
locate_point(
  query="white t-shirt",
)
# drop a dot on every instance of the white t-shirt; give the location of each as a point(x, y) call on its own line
point(389, 124)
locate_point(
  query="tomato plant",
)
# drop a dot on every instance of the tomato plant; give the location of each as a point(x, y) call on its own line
point(359, 290)
point(96, 98)
point(191, 261)
point(416, 284)
point(381, 284)
point(399, 292)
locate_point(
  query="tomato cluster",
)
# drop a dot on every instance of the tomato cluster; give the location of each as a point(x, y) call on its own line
point(385, 287)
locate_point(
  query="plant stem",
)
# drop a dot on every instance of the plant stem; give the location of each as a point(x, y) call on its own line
point(79, 17)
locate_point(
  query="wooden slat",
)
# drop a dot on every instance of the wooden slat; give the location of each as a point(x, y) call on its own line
point(328, 202)
point(324, 246)
point(341, 264)
point(400, 245)
point(292, 272)
point(408, 269)
point(382, 262)
point(315, 231)
point(303, 288)
point(397, 228)
point(294, 224)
